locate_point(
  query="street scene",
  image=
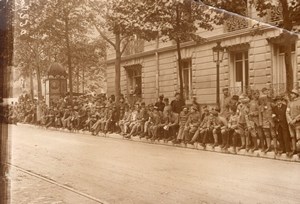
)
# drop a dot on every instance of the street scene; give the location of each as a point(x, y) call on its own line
point(152, 101)
point(114, 170)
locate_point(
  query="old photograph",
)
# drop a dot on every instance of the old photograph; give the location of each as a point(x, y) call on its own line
point(150, 101)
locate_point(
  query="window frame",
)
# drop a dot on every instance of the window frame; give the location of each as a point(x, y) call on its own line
point(187, 94)
point(245, 69)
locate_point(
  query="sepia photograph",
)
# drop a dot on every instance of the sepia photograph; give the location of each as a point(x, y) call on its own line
point(149, 101)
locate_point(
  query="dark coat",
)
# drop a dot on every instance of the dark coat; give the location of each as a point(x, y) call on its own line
point(280, 115)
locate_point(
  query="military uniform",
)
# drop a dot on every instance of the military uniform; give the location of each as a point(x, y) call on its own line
point(191, 125)
point(242, 112)
point(253, 123)
point(183, 117)
point(293, 115)
point(233, 132)
point(267, 121)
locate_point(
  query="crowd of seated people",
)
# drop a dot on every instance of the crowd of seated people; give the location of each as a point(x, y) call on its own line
point(253, 121)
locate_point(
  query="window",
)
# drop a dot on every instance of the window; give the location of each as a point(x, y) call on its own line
point(187, 77)
point(278, 65)
point(134, 81)
point(240, 76)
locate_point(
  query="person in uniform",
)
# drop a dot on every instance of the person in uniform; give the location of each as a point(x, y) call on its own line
point(192, 124)
point(225, 104)
point(183, 117)
point(147, 119)
point(253, 124)
point(202, 127)
point(125, 119)
point(281, 125)
point(170, 127)
point(220, 128)
point(268, 124)
point(243, 111)
point(233, 126)
point(293, 119)
point(156, 124)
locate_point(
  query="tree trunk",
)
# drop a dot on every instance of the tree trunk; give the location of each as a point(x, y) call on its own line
point(118, 68)
point(288, 25)
point(289, 67)
point(39, 82)
point(83, 80)
point(178, 20)
point(180, 69)
point(69, 58)
point(31, 86)
point(77, 79)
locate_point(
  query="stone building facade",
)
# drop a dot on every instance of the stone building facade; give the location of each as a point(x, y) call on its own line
point(251, 60)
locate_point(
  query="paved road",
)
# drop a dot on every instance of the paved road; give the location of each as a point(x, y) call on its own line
point(121, 171)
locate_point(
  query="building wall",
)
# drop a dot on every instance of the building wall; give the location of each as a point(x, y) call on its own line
point(160, 68)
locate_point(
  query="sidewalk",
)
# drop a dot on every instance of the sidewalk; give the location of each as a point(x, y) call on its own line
point(258, 153)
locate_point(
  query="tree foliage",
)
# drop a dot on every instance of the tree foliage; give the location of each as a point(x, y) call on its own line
point(49, 31)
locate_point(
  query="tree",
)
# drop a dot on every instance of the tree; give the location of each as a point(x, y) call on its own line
point(89, 59)
point(64, 26)
point(176, 20)
point(289, 12)
point(110, 18)
point(30, 39)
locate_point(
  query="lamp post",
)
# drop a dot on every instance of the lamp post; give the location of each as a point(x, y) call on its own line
point(218, 53)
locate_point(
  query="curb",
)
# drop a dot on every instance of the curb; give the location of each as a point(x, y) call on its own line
point(257, 154)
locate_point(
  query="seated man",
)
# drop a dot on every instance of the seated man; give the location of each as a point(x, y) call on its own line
point(182, 119)
point(220, 128)
point(156, 124)
point(233, 128)
point(125, 119)
point(192, 124)
point(66, 117)
point(171, 126)
point(207, 127)
point(202, 127)
point(135, 121)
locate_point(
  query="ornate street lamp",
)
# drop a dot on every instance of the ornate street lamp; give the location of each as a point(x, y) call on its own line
point(218, 54)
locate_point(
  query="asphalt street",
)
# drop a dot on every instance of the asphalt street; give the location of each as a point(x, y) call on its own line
point(58, 167)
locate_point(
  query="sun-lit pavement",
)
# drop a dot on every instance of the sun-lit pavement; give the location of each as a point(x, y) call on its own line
point(120, 171)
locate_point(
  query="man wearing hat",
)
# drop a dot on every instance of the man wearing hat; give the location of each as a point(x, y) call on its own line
point(281, 125)
point(66, 117)
point(293, 119)
point(125, 119)
point(147, 120)
point(155, 124)
point(254, 127)
point(225, 104)
point(192, 124)
point(243, 111)
point(183, 117)
point(171, 124)
point(202, 127)
point(267, 122)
